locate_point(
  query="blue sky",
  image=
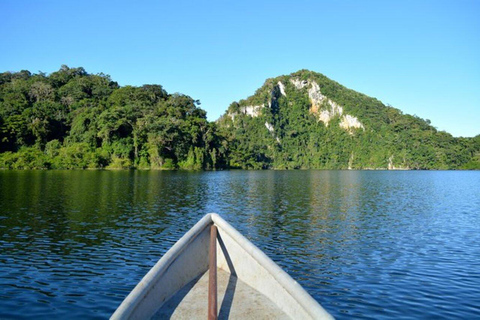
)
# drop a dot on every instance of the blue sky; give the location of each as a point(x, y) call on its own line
point(422, 57)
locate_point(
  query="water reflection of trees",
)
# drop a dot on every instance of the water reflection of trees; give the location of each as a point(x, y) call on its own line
point(90, 207)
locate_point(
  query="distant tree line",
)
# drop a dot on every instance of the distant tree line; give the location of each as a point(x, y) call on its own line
point(70, 119)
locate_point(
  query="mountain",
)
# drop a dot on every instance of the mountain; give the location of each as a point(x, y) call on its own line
point(305, 120)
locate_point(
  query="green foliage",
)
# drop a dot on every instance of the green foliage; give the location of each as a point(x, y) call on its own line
point(72, 119)
point(25, 158)
point(120, 163)
point(287, 133)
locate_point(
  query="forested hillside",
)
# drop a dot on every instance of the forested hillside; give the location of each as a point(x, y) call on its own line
point(305, 120)
point(72, 119)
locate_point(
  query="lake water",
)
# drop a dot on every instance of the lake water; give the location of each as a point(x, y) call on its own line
point(365, 244)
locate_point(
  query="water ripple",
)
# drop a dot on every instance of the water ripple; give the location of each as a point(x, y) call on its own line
point(364, 244)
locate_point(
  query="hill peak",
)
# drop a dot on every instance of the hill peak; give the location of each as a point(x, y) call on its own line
point(306, 120)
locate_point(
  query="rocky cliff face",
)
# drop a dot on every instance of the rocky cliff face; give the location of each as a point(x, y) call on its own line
point(325, 108)
point(322, 107)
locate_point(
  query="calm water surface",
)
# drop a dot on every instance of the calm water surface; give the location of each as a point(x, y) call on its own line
point(364, 244)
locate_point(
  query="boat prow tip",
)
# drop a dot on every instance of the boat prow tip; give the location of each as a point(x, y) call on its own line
point(214, 216)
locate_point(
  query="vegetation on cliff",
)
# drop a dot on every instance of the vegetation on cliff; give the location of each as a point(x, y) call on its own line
point(305, 120)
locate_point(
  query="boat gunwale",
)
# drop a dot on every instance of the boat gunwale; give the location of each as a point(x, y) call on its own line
point(296, 291)
point(141, 290)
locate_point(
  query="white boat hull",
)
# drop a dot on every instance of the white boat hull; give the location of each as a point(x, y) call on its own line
point(187, 261)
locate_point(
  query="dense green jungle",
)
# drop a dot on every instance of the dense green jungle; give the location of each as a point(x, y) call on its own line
point(71, 119)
